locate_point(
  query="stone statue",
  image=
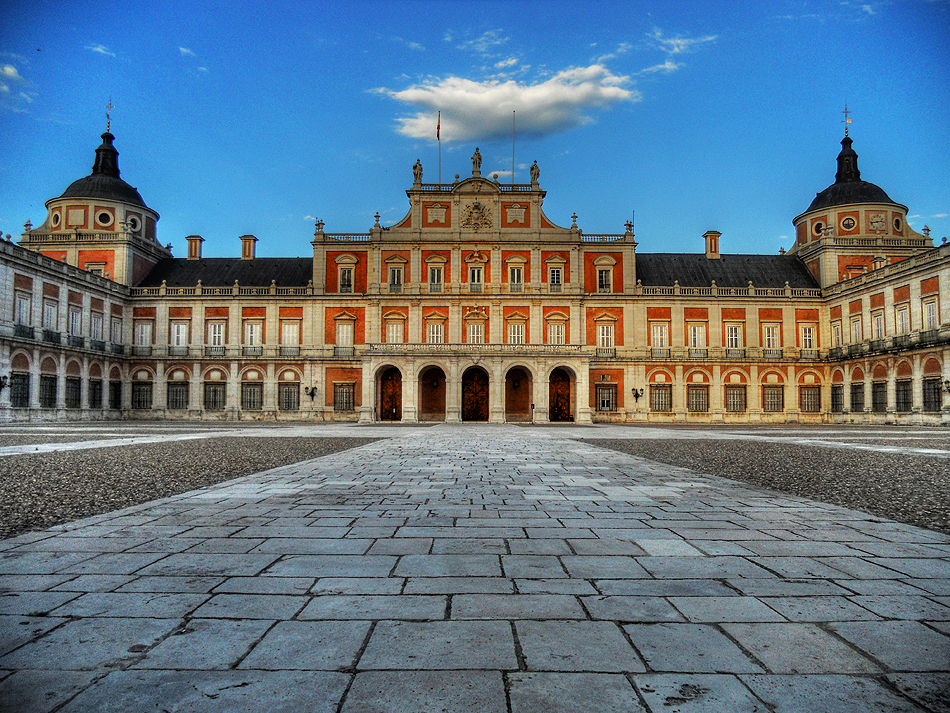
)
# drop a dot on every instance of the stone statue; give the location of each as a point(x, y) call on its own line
point(535, 172)
point(417, 172)
point(476, 163)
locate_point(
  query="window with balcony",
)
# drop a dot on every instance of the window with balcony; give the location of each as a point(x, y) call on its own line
point(435, 279)
point(556, 333)
point(902, 319)
point(115, 330)
point(289, 338)
point(74, 321)
point(178, 334)
point(771, 336)
point(435, 332)
point(555, 279)
point(395, 280)
point(476, 333)
point(605, 339)
point(23, 308)
point(931, 314)
point(214, 343)
point(808, 337)
point(345, 331)
point(856, 331)
point(836, 334)
point(142, 344)
point(346, 280)
point(696, 340)
point(50, 314)
point(516, 333)
point(475, 277)
point(253, 339)
point(733, 336)
point(516, 279)
point(660, 339)
point(877, 325)
point(96, 325)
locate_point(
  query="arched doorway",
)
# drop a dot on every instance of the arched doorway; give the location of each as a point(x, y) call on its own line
point(517, 395)
point(390, 395)
point(432, 394)
point(559, 396)
point(475, 395)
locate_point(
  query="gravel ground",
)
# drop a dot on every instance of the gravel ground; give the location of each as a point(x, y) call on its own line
point(38, 491)
point(907, 488)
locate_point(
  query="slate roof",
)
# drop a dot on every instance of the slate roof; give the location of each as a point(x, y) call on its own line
point(848, 193)
point(104, 182)
point(691, 270)
point(223, 271)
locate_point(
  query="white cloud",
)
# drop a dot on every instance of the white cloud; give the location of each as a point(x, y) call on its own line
point(488, 41)
point(482, 110)
point(26, 97)
point(678, 45)
point(510, 62)
point(868, 9)
point(940, 215)
point(8, 71)
point(202, 69)
point(668, 67)
point(101, 49)
point(186, 51)
point(309, 218)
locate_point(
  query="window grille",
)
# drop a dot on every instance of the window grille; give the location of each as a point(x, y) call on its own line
point(115, 395)
point(141, 395)
point(607, 398)
point(48, 387)
point(837, 398)
point(73, 392)
point(735, 399)
point(19, 390)
point(661, 398)
point(215, 396)
point(933, 395)
point(252, 397)
point(904, 394)
point(809, 399)
point(773, 399)
point(288, 397)
point(178, 395)
point(879, 397)
point(697, 398)
point(344, 397)
point(857, 397)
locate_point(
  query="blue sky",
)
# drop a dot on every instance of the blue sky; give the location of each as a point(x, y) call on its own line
point(262, 117)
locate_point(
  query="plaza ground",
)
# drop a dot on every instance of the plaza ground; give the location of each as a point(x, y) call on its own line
point(478, 567)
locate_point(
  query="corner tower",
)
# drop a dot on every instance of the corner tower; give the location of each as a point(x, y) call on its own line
point(853, 226)
point(100, 223)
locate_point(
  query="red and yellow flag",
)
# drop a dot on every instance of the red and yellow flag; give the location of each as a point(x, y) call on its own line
point(438, 128)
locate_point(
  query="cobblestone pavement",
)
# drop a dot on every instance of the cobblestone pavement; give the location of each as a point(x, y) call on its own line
point(480, 568)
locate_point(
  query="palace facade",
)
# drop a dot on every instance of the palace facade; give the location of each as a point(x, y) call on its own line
point(475, 306)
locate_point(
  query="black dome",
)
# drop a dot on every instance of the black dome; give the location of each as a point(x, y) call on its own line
point(104, 182)
point(848, 187)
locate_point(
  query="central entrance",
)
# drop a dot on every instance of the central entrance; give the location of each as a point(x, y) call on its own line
point(432, 395)
point(390, 395)
point(559, 396)
point(517, 395)
point(475, 395)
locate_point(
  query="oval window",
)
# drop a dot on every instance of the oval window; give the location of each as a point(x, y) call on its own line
point(897, 224)
point(104, 218)
point(134, 223)
point(818, 228)
point(56, 220)
point(848, 223)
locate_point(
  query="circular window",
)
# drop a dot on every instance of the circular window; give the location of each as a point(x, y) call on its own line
point(818, 228)
point(104, 218)
point(898, 224)
point(848, 223)
point(134, 223)
point(57, 218)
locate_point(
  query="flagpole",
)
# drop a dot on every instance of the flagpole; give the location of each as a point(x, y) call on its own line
point(438, 137)
point(512, 147)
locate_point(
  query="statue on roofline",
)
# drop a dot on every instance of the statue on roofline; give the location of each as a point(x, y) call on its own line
point(476, 163)
point(417, 172)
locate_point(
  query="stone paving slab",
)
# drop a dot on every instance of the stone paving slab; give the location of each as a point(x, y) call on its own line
point(477, 568)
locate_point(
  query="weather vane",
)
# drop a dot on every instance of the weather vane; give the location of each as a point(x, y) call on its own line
point(847, 119)
point(109, 108)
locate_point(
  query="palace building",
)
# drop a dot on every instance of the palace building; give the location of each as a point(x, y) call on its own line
point(475, 306)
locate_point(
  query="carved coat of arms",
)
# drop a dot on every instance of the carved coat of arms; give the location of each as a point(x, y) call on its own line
point(476, 217)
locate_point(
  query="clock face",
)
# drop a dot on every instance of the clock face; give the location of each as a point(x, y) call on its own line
point(848, 223)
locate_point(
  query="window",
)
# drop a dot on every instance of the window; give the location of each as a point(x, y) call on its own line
point(215, 339)
point(394, 331)
point(555, 333)
point(435, 279)
point(74, 325)
point(837, 398)
point(435, 333)
point(115, 395)
point(141, 395)
point(19, 390)
point(808, 337)
point(904, 396)
point(733, 336)
point(344, 397)
point(96, 322)
point(516, 279)
point(516, 332)
point(659, 333)
point(395, 280)
point(253, 334)
point(933, 396)
point(344, 334)
point(771, 336)
point(697, 398)
point(809, 399)
point(288, 396)
point(554, 279)
point(903, 320)
point(735, 399)
point(215, 396)
point(931, 314)
point(252, 396)
point(475, 279)
point(697, 336)
point(661, 398)
point(24, 308)
point(605, 280)
point(115, 330)
point(606, 397)
point(879, 397)
point(143, 334)
point(346, 279)
point(476, 333)
point(178, 335)
point(773, 399)
point(48, 388)
point(856, 335)
point(605, 336)
point(50, 314)
point(290, 333)
point(177, 394)
point(877, 325)
point(95, 393)
point(857, 397)
point(73, 392)
point(836, 334)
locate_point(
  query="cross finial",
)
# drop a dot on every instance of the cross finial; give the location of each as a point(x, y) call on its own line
point(109, 108)
point(847, 119)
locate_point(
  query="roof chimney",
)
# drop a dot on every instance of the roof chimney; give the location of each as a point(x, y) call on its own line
point(194, 246)
point(247, 247)
point(712, 244)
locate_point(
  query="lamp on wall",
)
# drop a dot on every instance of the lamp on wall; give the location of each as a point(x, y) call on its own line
point(311, 391)
point(946, 385)
point(3, 382)
point(637, 393)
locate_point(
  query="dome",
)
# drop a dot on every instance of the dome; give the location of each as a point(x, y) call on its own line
point(848, 187)
point(104, 182)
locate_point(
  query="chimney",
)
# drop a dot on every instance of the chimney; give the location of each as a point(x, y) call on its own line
point(247, 247)
point(194, 246)
point(712, 244)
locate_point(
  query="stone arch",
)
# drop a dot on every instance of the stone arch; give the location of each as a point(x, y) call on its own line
point(389, 393)
point(73, 368)
point(115, 374)
point(562, 394)
point(49, 366)
point(475, 393)
point(697, 376)
point(20, 361)
point(772, 377)
point(857, 374)
point(735, 376)
point(837, 376)
point(879, 372)
point(932, 367)
point(432, 393)
point(905, 369)
point(519, 387)
point(809, 378)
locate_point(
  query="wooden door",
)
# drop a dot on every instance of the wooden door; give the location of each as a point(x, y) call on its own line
point(559, 396)
point(390, 395)
point(475, 395)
